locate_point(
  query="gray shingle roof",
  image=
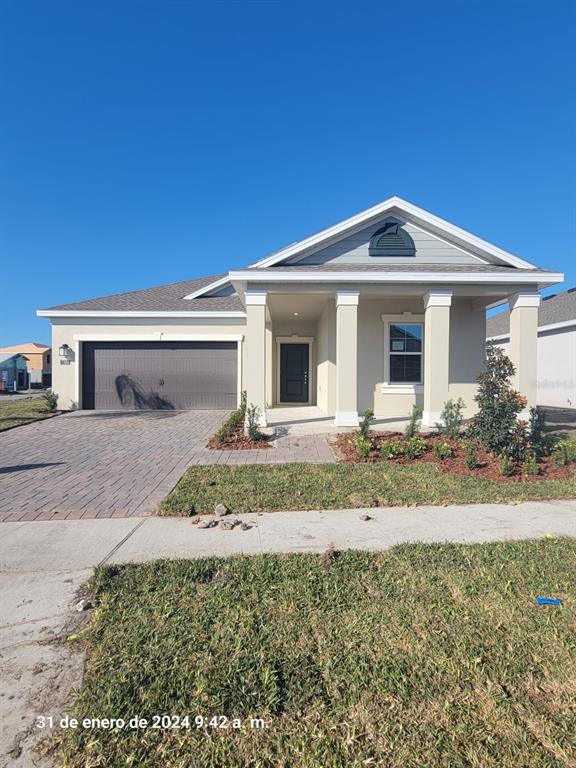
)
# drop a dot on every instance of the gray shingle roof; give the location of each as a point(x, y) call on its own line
point(558, 308)
point(164, 298)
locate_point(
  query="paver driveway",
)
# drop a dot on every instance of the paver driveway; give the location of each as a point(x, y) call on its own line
point(98, 464)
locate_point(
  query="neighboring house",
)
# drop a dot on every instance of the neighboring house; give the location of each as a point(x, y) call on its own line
point(13, 372)
point(39, 358)
point(556, 372)
point(381, 311)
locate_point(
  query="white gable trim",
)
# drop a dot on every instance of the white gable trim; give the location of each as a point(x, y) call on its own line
point(415, 215)
point(135, 313)
point(207, 288)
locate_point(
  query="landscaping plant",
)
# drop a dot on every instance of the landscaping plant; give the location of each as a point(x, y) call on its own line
point(530, 466)
point(540, 442)
point(496, 423)
point(253, 422)
point(416, 447)
point(233, 422)
point(470, 454)
point(366, 423)
point(362, 444)
point(392, 449)
point(506, 466)
point(50, 400)
point(452, 418)
point(565, 452)
point(443, 451)
point(414, 421)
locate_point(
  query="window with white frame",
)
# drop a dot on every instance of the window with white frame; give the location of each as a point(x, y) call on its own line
point(405, 353)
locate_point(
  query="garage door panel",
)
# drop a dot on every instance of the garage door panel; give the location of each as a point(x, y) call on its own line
point(159, 375)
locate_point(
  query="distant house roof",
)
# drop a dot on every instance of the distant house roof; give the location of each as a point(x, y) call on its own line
point(27, 346)
point(163, 298)
point(8, 360)
point(558, 308)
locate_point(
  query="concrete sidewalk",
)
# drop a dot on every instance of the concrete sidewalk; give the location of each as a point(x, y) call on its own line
point(43, 564)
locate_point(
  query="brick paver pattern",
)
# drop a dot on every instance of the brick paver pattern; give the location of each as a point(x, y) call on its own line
point(103, 464)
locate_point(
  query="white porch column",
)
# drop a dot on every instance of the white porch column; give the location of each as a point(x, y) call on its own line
point(255, 363)
point(524, 345)
point(436, 354)
point(346, 359)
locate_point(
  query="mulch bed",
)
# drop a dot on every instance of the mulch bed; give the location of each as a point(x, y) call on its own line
point(488, 466)
point(239, 441)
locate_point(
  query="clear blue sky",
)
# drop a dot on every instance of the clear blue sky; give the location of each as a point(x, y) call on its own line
point(148, 142)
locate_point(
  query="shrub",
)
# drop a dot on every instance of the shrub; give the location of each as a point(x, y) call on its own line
point(470, 455)
point(50, 400)
point(235, 420)
point(392, 449)
point(366, 423)
point(540, 442)
point(452, 418)
point(416, 447)
point(414, 421)
point(530, 466)
point(565, 452)
point(506, 466)
point(496, 424)
point(443, 451)
point(362, 444)
point(253, 422)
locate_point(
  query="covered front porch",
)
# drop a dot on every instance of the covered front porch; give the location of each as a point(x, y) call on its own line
point(315, 360)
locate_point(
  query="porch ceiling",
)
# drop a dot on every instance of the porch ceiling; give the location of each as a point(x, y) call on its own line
point(309, 306)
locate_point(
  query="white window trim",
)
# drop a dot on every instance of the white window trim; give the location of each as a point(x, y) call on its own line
point(393, 388)
point(294, 340)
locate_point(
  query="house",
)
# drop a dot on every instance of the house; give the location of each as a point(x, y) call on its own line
point(13, 372)
point(381, 311)
point(556, 369)
point(39, 358)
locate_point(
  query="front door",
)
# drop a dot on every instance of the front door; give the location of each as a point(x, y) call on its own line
point(294, 373)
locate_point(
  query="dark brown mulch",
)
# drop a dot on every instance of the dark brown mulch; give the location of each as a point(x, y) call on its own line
point(488, 465)
point(239, 441)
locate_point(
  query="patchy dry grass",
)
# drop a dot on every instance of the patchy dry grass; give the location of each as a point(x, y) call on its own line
point(255, 488)
point(16, 413)
point(424, 655)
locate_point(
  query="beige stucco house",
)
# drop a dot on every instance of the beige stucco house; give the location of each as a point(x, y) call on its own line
point(381, 311)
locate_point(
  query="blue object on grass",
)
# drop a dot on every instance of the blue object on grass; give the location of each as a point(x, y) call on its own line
point(548, 601)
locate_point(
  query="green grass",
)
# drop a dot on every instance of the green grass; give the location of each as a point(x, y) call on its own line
point(424, 655)
point(15, 413)
point(327, 486)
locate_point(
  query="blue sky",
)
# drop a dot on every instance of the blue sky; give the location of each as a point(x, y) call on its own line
point(143, 143)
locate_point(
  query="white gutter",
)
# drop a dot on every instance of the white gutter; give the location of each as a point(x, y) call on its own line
point(278, 275)
point(158, 315)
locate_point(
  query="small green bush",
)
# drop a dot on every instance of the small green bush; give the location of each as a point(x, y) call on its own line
point(443, 451)
point(452, 418)
point(366, 423)
point(506, 466)
point(541, 442)
point(235, 420)
point(392, 449)
point(530, 466)
point(362, 445)
point(416, 447)
point(565, 452)
point(50, 400)
point(414, 421)
point(470, 455)
point(253, 422)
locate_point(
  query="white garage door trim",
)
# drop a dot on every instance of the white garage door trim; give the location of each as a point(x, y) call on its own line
point(155, 336)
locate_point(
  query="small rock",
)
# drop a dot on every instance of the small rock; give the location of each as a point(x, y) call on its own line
point(227, 525)
point(221, 510)
point(84, 604)
point(245, 527)
point(195, 520)
point(365, 518)
point(206, 524)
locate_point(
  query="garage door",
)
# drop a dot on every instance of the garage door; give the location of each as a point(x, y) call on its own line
point(159, 375)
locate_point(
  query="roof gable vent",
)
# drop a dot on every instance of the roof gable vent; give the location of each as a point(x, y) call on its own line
point(392, 240)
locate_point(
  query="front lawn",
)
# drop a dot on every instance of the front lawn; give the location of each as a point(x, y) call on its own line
point(424, 655)
point(256, 487)
point(15, 413)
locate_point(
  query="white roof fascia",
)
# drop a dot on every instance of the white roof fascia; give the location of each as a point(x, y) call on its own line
point(207, 288)
point(539, 278)
point(134, 313)
point(387, 206)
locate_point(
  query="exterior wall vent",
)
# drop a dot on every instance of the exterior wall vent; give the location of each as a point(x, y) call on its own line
point(392, 240)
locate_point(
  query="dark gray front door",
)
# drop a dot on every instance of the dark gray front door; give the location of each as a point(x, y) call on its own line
point(294, 366)
point(159, 375)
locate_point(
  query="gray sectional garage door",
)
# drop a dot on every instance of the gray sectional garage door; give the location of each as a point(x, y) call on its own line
point(159, 375)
